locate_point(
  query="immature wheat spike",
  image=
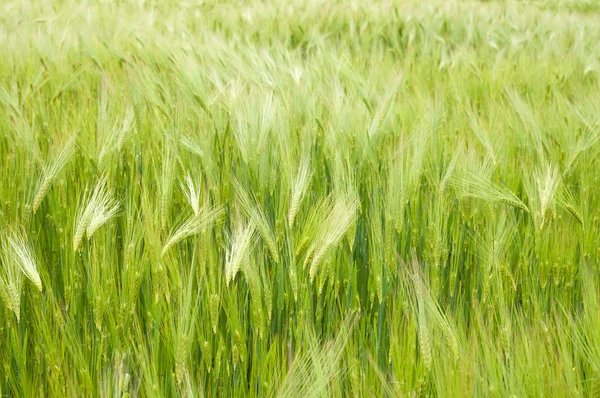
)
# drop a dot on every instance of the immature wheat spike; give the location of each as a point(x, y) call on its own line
point(127, 125)
point(13, 299)
point(513, 202)
point(214, 311)
point(258, 218)
point(242, 242)
point(84, 220)
point(479, 185)
point(44, 186)
point(21, 254)
point(193, 225)
point(423, 331)
point(388, 243)
point(424, 341)
point(164, 284)
point(299, 189)
point(106, 209)
point(181, 358)
point(267, 295)
point(251, 274)
point(505, 337)
point(547, 184)
point(566, 200)
point(486, 288)
point(451, 341)
point(11, 283)
point(293, 281)
point(100, 208)
point(192, 194)
point(51, 170)
point(332, 230)
point(575, 213)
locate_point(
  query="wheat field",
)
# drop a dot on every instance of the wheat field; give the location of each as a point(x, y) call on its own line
point(300, 198)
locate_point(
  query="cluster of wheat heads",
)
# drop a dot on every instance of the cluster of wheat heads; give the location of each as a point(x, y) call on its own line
point(299, 198)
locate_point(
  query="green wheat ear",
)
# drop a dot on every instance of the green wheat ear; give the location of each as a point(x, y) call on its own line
point(52, 169)
point(299, 187)
point(19, 252)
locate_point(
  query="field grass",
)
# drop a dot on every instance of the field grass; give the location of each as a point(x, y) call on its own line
point(299, 198)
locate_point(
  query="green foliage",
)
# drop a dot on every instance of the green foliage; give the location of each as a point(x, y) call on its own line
point(299, 198)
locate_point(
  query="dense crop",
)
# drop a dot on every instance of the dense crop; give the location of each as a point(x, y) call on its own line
point(299, 198)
